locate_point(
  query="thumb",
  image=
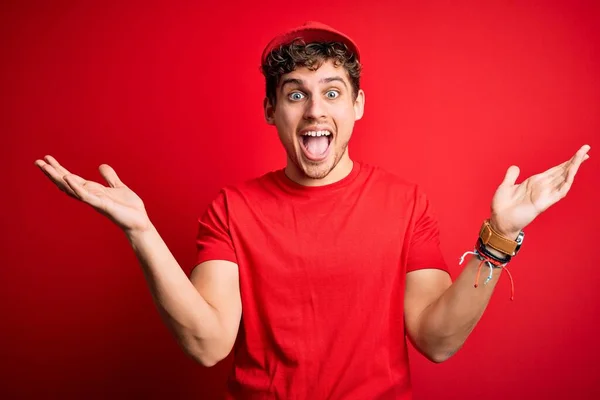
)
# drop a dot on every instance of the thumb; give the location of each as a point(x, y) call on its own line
point(512, 173)
point(109, 174)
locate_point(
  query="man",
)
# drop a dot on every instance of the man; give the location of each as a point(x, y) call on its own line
point(332, 262)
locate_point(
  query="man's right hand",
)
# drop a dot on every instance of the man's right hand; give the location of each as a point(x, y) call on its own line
point(117, 201)
point(203, 311)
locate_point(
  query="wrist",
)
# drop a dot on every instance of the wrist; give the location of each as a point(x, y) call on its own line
point(509, 234)
point(139, 233)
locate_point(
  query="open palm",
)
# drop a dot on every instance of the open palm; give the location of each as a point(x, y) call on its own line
point(515, 206)
point(116, 201)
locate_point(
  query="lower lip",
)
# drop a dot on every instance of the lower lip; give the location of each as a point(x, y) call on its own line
point(310, 156)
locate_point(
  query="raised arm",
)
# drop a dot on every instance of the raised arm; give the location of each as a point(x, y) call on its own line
point(439, 314)
point(203, 313)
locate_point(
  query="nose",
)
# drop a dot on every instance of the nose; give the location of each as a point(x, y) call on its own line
point(315, 108)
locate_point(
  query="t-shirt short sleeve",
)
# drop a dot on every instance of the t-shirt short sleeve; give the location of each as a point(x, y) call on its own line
point(424, 248)
point(213, 241)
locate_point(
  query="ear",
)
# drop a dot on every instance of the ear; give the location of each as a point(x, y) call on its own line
point(359, 105)
point(269, 111)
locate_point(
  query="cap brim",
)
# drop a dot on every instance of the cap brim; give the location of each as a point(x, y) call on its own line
point(310, 34)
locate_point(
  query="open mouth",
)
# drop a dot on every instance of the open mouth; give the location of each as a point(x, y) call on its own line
point(316, 144)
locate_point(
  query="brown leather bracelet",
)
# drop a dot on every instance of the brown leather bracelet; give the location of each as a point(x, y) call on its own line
point(496, 241)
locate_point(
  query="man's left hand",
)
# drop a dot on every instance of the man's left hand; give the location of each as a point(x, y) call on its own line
point(515, 206)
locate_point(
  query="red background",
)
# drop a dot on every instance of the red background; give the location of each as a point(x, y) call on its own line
point(171, 96)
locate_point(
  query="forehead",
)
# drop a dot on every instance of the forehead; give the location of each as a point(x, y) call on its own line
point(309, 76)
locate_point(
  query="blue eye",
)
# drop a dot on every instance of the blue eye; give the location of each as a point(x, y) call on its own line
point(296, 96)
point(332, 94)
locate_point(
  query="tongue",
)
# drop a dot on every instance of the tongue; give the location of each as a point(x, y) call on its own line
point(317, 145)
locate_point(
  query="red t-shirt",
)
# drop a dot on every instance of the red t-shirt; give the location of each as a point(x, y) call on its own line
point(322, 274)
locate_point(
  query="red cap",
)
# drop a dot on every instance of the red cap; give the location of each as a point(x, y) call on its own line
point(310, 32)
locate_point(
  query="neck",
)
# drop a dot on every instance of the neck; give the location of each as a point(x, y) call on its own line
point(339, 172)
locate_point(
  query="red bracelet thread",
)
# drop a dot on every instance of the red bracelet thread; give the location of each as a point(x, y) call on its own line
point(499, 265)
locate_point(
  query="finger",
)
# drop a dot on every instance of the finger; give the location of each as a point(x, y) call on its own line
point(77, 185)
point(558, 179)
point(109, 174)
point(55, 177)
point(512, 173)
point(564, 185)
point(580, 156)
point(559, 172)
point(59, 168)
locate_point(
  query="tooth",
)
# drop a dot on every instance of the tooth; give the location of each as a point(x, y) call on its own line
point(317, 133)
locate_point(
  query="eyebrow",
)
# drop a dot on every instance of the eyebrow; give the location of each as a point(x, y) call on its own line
point(300, 82)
